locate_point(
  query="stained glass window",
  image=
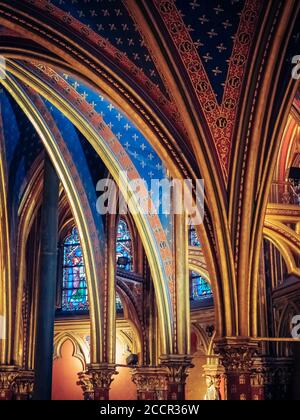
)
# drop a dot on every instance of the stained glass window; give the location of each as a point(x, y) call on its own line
point(200, 287)
point(124, 247)
point(74, 290)
point(119, 305)
point(193, 237)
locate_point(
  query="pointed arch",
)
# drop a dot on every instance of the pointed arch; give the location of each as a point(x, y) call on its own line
point(145, 227)
point(59, 161)
point(155, 122)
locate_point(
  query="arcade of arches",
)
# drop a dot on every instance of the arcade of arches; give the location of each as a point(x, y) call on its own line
point(130, 305)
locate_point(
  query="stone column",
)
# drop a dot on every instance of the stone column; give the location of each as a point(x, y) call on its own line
point(47, 285)
point(23, 386)
point(96, 381)
point(237, 357)
point(151, 383)
point(110, 321)
point(183, 312)
point(177, 367)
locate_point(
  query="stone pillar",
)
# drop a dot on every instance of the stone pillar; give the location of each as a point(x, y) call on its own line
point(8, 375)
point(183, 311)
point(47, 285)
point(96, 382)
point(237, 357)
point(110, 313)
point(23, 386)
point(214, 374)
point(151, 383)
point(177, 371)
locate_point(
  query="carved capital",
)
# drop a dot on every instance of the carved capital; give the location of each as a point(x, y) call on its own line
point(101, 377)
point(8, 375)
point(23, 385)
point(177, 367)
point(86, 386)
point(96, 381)
point(151, 383)
point(149, 379)
point(237, 355)
point(262, 373)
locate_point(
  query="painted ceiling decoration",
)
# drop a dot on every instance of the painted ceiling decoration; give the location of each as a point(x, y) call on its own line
point(21, 146)
point(77, 101)
point(213, 26)
point(213, 41)
point(142, 154)
point(112, 20)
point(144, 158)
point(106, 46)
point(198, 46)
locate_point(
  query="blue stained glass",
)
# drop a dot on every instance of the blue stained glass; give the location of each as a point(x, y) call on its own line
point(124, 246)
point(200, 287)
point(119, 305)
point(74, 290)
point(193, 237)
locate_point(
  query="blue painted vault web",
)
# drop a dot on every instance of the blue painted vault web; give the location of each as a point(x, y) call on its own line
point(76, 145)
point(111, 20)
point(22, 146)
point(213, 25)
point(142, 154)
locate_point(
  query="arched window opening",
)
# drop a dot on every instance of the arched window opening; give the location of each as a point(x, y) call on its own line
point(200, 287)
point(124, 252)
point(74, 288)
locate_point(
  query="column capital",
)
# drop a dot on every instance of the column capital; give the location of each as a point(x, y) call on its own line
point(102, 375)
point(8, 375)
point(23, 385)
point(177, 367)
point(96, 381)
point(237, 353)
point(151, 383)
point(262, 372)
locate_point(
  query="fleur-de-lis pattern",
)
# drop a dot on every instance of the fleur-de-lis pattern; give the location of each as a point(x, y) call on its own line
point(111, 20)
point(213, 25)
